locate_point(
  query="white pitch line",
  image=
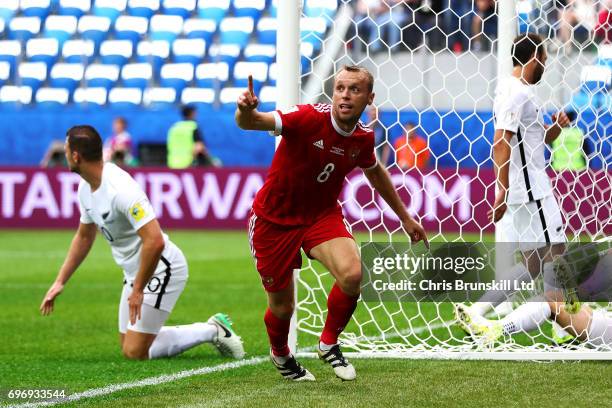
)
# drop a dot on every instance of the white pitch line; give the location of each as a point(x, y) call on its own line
point(166, 378)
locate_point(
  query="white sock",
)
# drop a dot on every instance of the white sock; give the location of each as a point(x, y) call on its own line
point(173, 340)
point(493, 298)
point(526, 318)
point(325, 347)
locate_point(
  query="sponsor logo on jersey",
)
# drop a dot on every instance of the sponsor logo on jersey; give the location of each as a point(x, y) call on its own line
point(319, 144)
point(137, 212)
point(337, 150)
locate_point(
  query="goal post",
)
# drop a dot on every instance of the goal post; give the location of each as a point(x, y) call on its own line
point(442, 80)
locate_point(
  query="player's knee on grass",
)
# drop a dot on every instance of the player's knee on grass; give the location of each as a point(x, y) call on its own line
point(135, 352)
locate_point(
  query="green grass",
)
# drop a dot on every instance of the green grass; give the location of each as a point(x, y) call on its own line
point(76, 348)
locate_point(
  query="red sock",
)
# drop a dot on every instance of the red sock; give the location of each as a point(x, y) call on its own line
point(340, 308)
point(278, 332)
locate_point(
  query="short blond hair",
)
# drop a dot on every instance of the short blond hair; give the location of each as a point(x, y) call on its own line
point(357, 68)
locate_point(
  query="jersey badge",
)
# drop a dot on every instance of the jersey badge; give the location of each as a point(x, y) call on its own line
point(137, 212)
point(354, 153)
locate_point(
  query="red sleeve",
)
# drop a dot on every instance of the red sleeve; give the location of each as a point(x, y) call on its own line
point(367, 158)
point(289, 121)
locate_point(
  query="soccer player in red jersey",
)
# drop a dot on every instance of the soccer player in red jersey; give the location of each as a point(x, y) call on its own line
point(298, 208)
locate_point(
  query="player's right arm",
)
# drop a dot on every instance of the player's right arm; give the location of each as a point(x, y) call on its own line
point(79, 248)
point(248, 117)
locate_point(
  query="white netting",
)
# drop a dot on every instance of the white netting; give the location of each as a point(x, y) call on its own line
point(435, 66)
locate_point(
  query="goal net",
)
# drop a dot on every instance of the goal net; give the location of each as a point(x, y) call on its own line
point(436, 66)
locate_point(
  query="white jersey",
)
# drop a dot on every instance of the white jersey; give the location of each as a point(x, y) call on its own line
point(119, 208)
point(516, 110)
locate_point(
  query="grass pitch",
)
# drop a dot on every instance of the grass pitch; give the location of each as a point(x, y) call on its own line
point(77, 349)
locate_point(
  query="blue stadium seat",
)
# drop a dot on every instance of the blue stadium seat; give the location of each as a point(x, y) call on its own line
point(137, 75)
point(312, 30)
point(155, 53)
point(249, 8)
point(116, 52)
point(143, 8)
point(101, 75)
point(524, 12)
point(8, 8)
point(75, 8)
point(306, 56)
point(159, 98)
point(60, 27)
point(67, 76)
point(191, 50)
point(36, 8)
point(198, 97)
point(272, 73)
point(176, 76)
point(165, 28)
point(52, 98)
point(274, 8)
point(78, 51)
point(321, 8)
point(125, 97)
point(2, 27)
point(213, 9)
point(10, 50)
point(94, 28)
point(24, 28)
point(229, 96)
point(242, 70)
point(15, 95)
point(266, 30)
point(267, 98)
point(182, 8)
point(212, 74)
point(260, 53)
point(42, 50)
point(5, 72)
point(109, 8)
point(94, 96)
point(227, 53)
point(604, 55)
point(595, 79)
point(131, 28)
point(236, 30)
point(200, 28)
point(32, 74)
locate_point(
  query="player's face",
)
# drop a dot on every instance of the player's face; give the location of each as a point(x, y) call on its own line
point(539, 63)
point(71, 159)
point(351, 96)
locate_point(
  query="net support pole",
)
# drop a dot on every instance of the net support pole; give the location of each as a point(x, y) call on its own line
point(288, 86)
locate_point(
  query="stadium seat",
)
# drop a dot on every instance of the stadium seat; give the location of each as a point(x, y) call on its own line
point(109, 8)
point(213, 9)
point(159, 98)
point(15, 95)
point(321, 8)
point(189, 50)
point(212, 74)
point(95, 96)
point(60, 27)
point(94, 28)
point(137, 75)
point(200, 28)
point(198, 96)
point(131, 28)
point(24, 28)
point(124, 97)
point(8, 8)
point(274, 8)
point(49, 98)
point(2, 27)
point(236, 30)
point(116, 52)
point(272, 74)
point(10, 50)
point(66, 76)
point(176, 76)
point(242, 70)
point(306, 56)
point(36, 8)
point(78, 51)
point(267, 98)
point(524, 10)
point(165, 28)
point(74, 7)
point(249, 8)
point(42, 50)
point(32, 74)
point(182, 8)
point(100, 75)
point(143, 8)
point(266, 30)
point(596, 78)
point(154, 52)
point(260, 53)
point(227, 53)
point(229, 96)
point(312, 30)
point(5, 72)
point(604, 54)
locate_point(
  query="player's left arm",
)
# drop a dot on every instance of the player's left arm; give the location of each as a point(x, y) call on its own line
point(560, 121)
point(381, 181)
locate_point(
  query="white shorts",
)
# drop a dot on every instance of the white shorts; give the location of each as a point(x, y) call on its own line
point(600, 330)
point(534, 224)
point(160, 294)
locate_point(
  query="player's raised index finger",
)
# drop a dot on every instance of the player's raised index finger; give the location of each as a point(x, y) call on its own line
point(251, 85)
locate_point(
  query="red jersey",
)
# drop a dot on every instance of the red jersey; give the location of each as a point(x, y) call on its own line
point(310, 164)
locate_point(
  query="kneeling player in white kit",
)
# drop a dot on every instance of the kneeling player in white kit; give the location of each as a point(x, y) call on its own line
point(155, 270)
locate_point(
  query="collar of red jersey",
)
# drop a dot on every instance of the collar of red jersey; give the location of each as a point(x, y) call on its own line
point(337, 128)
